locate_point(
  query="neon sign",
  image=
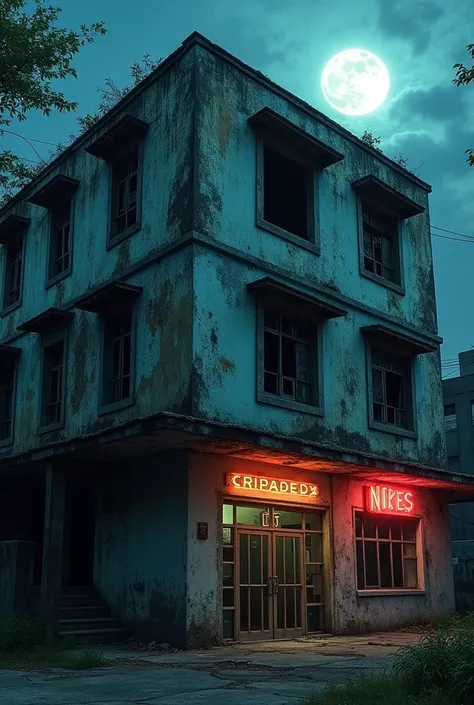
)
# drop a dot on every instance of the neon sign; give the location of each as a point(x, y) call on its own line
point(386, 500)
point(272, 485)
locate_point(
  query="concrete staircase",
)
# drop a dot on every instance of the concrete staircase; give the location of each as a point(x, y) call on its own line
point(85, 618)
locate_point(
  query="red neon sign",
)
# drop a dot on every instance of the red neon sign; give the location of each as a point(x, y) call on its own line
point(386, 500)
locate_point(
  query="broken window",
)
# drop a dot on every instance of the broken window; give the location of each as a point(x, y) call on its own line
point(380, 244)
point(450, 419)
point(13, 273)
point(289, 352)
point(391, 389)
point(125, 186)
point(117, 361)
point(53, 382)
point(286, 193)
point(60, 248)
point(386, 553)
point(7, 377)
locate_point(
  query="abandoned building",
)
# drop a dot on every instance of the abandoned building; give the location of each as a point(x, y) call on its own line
point(221, 401)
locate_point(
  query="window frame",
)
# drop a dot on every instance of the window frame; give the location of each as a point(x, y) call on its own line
point(7, 441)
point(108, 407)
point(399, 285)
point(420, 552)
point(263, 397)
point(114, 238)
point(455, 417)
point(411, 432)
point(6, 308)
point(312, 243)
point(46, 342)
point(52, 279)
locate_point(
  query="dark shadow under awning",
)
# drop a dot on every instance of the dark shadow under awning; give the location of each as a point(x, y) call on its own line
point(400, 343)
point(109, 299)
point(380, 193)
point(51, 320)
point(13, 228)
point(280, 295)
point(273, 126)
point(55, 191)
point(8, 355)
point(124, 133)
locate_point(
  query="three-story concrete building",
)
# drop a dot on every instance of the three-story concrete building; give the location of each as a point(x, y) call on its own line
point(221, 390)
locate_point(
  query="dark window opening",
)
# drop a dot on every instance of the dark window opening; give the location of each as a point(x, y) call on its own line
point(117, 363)
point(386, 553)
point(380, 244)
point(60, 256)
point(289, 348)
point(53, 383)
point(286, 193)
point(6, 403)
point(125, 178)
point(14, 273)
point(391, 390)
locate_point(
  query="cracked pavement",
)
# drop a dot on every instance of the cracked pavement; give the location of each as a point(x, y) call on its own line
point(273, 673)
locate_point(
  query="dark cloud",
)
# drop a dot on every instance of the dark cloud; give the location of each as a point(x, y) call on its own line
point(439, 103)
point(409, 20)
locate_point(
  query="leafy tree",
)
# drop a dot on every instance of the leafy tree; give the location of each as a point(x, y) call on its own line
point(464, 76)
point(34, 53)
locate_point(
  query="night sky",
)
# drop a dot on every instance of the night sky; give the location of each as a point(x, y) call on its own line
point(425, 118)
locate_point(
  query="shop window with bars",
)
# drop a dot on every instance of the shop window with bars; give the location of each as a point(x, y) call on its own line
point(53, 383)
point(60, 243)
point(117, 363)
point(386, 553)
point(13, 273)
point(391, 390)
point(380, 233)
point(125, 186)
point(289, 357)
point(7, 378)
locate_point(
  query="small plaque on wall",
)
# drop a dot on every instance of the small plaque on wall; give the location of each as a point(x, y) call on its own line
point(202, 530)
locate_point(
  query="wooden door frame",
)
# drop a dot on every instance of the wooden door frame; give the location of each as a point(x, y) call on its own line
point(262, 635)
point(294, 633)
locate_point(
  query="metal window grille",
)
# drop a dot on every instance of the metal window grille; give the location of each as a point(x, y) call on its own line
point(61, 245)
point(126, 175)
point(120, 338)
point(386, 553)
point(379, 245)
point(389, 390)
point(54, 363)
point(14, 273)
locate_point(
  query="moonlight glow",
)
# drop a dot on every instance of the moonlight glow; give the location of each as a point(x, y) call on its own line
point(355, 82)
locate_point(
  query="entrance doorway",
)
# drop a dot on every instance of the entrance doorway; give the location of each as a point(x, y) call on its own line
point(272, 572)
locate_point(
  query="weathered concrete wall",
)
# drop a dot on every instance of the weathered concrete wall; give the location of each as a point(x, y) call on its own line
point(225, 363)
point(16, 577)
point(356, 613)
point(141, 545)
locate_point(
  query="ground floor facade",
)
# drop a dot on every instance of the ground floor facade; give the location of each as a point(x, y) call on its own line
point(196, 549)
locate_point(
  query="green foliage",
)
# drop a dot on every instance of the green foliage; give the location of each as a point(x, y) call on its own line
point(464, 76)
point(20, 633)
point(81, 660)
point(372, 141)
point(375, 690)
point(35, 53)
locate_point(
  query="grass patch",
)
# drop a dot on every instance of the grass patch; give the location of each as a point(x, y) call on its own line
point(375, 690)
point(22, 645)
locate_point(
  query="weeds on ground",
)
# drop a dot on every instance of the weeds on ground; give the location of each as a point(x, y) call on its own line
point(22, 645)
point(375, 690)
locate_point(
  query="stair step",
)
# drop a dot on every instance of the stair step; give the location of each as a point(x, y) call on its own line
point(95, 636)
point(86, 623)
point(83, 611)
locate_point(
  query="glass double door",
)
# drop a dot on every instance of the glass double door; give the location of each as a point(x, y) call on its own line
point(270, 584)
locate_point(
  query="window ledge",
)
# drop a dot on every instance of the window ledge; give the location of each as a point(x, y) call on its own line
point(112, 241)
point(290, 237)
point(116, 406)
point(396, 430)
point(383, 282)
point(57, 278)
point(8, 309)
point(289, 404)
point(390, 593)
point(51, 427)
point(6, 442)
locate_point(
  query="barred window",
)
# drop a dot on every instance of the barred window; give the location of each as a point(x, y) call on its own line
point(60, 248)
point(386, 553)
point(117, 360)
point(380, 244)
point(53, 383)
point(391, 389)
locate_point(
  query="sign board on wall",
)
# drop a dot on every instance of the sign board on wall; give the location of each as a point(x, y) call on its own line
point(275, 486)
point(381, 499)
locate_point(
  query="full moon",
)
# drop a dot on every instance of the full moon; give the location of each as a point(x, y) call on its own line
point(355, 82)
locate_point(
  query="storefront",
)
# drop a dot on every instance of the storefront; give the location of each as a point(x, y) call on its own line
point(304, 553)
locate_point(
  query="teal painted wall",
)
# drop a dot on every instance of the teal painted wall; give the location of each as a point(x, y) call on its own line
point(141, 546)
